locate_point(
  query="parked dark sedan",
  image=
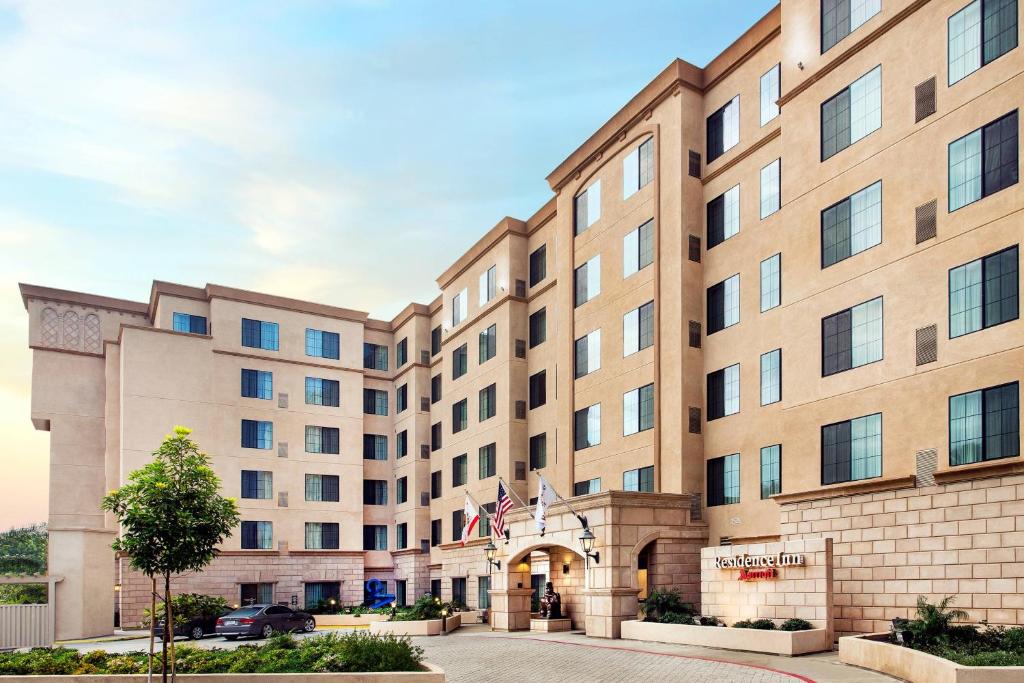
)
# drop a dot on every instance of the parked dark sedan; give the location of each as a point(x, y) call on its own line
point(263, 621)
point(195, 628)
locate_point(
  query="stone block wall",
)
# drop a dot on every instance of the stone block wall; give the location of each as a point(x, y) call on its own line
point(964, 539)
point(674, 564)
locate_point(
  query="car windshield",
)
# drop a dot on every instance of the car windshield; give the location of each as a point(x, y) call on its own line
point(245, 612)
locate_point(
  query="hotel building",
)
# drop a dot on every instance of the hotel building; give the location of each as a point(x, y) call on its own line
point(777, 297)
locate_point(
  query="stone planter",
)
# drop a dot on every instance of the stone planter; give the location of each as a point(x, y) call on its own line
point(428, 627)
point(430, 674)
point(336, 620)
point(873, 651)
point(788, 643)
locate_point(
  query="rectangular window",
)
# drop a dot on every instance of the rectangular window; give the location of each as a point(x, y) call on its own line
point(402, 443)
point(588, 354)
point(852, 450)
point(320, 344)
point(771, 471)
point(839, 18)
point(459, 584)
point(257, 484)
point(483, 592)
point(538, 389)
point(851, 114)
point(322, 487)
point(638, 329)
point(588, 280)
point(322, 536)
point(375, 402)
point(401, 398)
point(257, 334)
point(375, 356)
point(538, 264)
point(460, 361)
point(851, 338)
point(401, 490)
point(641, 479)
point(488, 343)
point(257, 536)
point(460, 415)
point(538, 327)
point(771, 377)
point(587, 427)
point(584, 488)
point(460, 307)
point(257, 434)
point(401, 543)
point(983, 162)
point(980, 33)
point(723, 129)
point(984, 425)
point(401, 353)
point(375, 537)
point(187, 322)
point(375, 447)
point(460, 470)
point(588, 207)
point(638, 249)
point(435, 341)
point(852, 225)
point(323, 440)
point(723, 216)
point(487, 460)
point(488, 285)
point(435, 485)
point(723, 392)
point(435, 436)
point(771, 181)
point(724, 304)
point(375, 492)
point(638, 410)
point(488, 400)
point(724, 480)
point(435, 388)
point(257, 384)
point(983, 293)
point(320, 592)
point(538, 451)
point(323, 392)
point(256, 593)
point(435, 540)
point(771, 282)
point(770, 94)
point(638, 168)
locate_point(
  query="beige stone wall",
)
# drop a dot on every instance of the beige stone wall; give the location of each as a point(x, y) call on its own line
point(801, 592)
point(964, 539)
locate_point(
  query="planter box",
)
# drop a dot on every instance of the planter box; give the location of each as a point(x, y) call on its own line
point(428, 627)
point(773, 642)
point(348, 619)
point(873, 652)
point(430, 674)
point(473, 616)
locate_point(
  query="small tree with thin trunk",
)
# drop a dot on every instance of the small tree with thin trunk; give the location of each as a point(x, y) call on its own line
point(172, 518)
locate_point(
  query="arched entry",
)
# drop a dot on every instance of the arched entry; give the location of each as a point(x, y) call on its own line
point(563, 567)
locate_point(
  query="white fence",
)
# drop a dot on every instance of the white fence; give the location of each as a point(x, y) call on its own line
point(25, 626)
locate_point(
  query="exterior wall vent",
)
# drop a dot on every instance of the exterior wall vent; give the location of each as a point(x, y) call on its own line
point(927, 345)
point(695, 164)
point(282, 400)
point(694, 248)
point(282, 449)
point(924, 99)
point(694, 334)
point(520, 348)
point(925, 221)
point(927, 461)
point(694, 426)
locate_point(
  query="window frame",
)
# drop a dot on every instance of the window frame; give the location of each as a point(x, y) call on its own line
point(982, 419)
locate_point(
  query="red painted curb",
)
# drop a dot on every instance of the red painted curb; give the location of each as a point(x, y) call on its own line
point(798, 677)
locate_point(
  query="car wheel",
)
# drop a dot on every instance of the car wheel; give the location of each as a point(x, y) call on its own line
point(196, 633)
point(267, 631)
point(309, 626)
point(230, 637)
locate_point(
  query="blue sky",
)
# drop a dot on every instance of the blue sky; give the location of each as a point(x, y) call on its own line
point(284, 147)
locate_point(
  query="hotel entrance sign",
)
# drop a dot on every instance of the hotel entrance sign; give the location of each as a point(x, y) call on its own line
point(745, 561)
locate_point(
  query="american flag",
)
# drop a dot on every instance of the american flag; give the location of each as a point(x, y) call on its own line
point(504, 504)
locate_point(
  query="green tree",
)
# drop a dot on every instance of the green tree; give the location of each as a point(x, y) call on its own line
point(172, 517)
point(23, 551)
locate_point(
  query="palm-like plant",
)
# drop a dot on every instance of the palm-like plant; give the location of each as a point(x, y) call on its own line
point(933, 620)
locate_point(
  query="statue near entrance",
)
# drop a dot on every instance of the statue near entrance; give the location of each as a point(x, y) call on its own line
point(550, 603)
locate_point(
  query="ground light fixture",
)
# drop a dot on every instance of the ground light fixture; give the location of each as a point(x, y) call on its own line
point(491, 549)
point(587, 542)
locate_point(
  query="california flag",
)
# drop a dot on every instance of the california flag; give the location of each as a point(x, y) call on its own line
point(545, 497)
point(472, 516)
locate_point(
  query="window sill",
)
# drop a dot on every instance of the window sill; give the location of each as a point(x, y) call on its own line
point(990, 468)
point(849, 489)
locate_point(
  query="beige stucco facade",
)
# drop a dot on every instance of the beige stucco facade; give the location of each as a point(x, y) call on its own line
point(111, 377)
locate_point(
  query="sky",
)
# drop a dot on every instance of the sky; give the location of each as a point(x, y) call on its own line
point(285, 147)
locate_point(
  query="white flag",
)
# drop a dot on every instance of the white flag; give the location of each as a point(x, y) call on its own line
point(472, 516)
point(545, 497)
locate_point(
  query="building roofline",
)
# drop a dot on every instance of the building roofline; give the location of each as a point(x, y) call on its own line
point(80, 298)
point(505, 226)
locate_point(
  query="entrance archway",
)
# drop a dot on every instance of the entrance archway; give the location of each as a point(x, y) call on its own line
point(564, 568)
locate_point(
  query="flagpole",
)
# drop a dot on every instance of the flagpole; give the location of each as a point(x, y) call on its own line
point(511, 491)
point(581, 518)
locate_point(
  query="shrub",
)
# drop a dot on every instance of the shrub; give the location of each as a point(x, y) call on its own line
point(708, 621)
point(933, 620)
point(667, 607)
point(189, 606)
point(759, 624)
point(795, 625)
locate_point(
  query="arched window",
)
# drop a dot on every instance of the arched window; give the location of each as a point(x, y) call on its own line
point(93, 340)
point(72, 331)
point(50, 323)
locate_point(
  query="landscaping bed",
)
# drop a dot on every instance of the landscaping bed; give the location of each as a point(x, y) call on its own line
point(353, 653)
point(875, 652)
point(419, 627)
point(777, 642)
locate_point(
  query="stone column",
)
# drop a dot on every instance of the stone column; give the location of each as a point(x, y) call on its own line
point(510, 601)
point(607, 608)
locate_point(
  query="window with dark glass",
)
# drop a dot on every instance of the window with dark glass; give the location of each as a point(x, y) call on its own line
point(638, 168)
point(258, 334)
point(852, 450)
point(978, 34)
point(984, 425)
point(638, 249)
point(323, 440)
point(375, 356)
point(538, 264)
point(724, 304)
point(435, 341)
point(487, 460)
point(257, 384)
point(723, 216)
point(460, 415)
point(375, 537)
point(460, 361)
point(375, 402)
point(587, 427)
point(257, 484)
point(401, 353)
point(771, 471)
point(402, 443)
point(401, 398)
point(435, 540)
point(588, 207)
point(435, 388)
point(460, 470)
point(257, 434)
point(638, 410)
point(851, 114)
point(538, 389)
point(435, 436)
point(486, 514)
point(538, 327)
point(375, 492)
point(588, 354)
point(852, 225)
point(322, 536)
point(723, 392)
point(322, 488)
point(401, 490)
point(723, 129)
point(586, 487)
point(983, 162)
point(375, 447)
point(488, 343)
point(187, 322)
point(320, 344)
point(839, 18)
point(724, 480)
point(401, 543)
point(851, 338)
point(488, 400)
point(323, 392)
point(984, 292)
point(640, 479)
point(257, 535)
point(538, 451)
point(587, 280)
point(638, 329)
point(435, 484)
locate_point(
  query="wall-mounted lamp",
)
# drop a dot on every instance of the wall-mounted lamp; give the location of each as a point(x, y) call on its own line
point(117, 588)
point(587, 539)
point(491, 549)
point(565, 568)
point(800, 65)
